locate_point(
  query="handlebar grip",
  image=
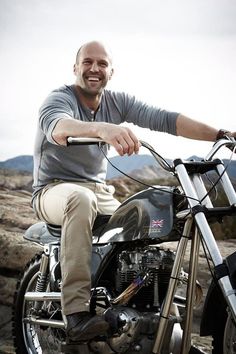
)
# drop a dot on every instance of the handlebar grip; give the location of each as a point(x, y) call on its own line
point(83, 141)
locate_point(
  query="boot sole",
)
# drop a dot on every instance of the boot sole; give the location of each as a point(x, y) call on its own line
point(88, 333)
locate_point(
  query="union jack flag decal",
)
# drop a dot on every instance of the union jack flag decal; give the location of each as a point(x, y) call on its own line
point(157, 223)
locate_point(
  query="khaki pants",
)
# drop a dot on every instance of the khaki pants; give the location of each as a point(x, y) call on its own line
point(75, 206)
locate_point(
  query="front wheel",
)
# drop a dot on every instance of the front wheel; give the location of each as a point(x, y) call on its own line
point(224, 336)
point(229, 343)
point(32, 338)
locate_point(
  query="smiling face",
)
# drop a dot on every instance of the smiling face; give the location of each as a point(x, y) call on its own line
point(93, 68)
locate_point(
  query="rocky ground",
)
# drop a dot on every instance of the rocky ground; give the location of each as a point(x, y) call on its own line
point(16, 216)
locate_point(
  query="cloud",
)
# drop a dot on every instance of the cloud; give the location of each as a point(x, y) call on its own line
point(73, 18)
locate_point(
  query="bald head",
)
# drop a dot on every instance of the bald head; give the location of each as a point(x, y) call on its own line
point(93, 68)
point(93, 47)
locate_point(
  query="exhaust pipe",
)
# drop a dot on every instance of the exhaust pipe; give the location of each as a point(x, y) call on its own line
point(42, 296)
point(45, 322)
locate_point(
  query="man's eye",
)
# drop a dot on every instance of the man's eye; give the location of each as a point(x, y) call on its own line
point(103, 65)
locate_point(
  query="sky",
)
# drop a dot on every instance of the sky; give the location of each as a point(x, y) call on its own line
point(177, 55)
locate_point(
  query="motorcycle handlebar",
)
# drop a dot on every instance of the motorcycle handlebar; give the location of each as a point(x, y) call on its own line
point(83, 141)
point(227, 141)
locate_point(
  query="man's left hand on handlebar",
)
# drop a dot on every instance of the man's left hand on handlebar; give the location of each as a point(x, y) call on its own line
point(231, 136)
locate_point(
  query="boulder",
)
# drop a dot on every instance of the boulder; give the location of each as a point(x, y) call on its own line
point(15, 252)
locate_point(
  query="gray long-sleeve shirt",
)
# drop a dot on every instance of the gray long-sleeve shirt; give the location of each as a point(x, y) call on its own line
point(78, 163)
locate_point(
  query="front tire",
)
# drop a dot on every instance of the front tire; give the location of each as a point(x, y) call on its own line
point(224, 336)
point(229, 343)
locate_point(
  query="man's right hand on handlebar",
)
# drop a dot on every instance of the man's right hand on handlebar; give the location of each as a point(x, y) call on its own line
point(121, 138)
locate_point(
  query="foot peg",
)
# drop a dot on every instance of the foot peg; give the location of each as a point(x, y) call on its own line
point(194, 350)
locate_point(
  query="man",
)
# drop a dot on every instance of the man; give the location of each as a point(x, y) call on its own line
point(69, 187)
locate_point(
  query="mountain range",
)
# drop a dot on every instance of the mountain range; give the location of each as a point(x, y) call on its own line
point(125, 163)
point(141, 164)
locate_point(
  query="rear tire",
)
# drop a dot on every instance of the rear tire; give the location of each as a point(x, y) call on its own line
point(31, 338)
point(23, 284)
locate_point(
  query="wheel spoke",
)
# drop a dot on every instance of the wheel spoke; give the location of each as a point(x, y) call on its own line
point(37, 339)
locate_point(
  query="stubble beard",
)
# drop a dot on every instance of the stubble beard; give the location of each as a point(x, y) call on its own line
point(90, 92)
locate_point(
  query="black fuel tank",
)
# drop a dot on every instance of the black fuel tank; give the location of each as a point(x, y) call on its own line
point(147, 214)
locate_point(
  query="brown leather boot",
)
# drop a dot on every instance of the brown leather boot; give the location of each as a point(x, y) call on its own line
point(82, 326)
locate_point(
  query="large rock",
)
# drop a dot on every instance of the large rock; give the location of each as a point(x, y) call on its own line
point(15, 180)
point(8, 287)
point(15, 251)
point(16, 215)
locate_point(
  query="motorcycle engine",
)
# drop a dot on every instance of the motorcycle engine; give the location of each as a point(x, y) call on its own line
point(137, 320)
point(151, 261)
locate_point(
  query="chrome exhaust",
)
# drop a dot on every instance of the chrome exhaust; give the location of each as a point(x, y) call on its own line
point(56, 296)
point(42, 296)
point(44, 322)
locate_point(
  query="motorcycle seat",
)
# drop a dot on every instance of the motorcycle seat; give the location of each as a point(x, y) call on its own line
point(44, 233)
point(100, 221)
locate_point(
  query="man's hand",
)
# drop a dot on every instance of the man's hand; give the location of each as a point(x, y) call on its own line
point(121, 138)
point(225, 134)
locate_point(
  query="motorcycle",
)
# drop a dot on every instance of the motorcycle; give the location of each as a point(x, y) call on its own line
point(139, 285)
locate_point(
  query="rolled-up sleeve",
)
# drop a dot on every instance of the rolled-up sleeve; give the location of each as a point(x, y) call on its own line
point(55, 107)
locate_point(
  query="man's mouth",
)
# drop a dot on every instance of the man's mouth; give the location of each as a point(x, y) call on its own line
point(93, 79)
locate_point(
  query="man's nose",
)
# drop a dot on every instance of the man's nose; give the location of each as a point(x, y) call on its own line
point(94, 67)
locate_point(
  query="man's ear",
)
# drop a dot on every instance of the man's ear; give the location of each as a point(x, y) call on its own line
point(75, 69)
point(111, 74)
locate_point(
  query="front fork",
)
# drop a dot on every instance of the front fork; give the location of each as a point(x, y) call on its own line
point(196, 194)
point(174, 278)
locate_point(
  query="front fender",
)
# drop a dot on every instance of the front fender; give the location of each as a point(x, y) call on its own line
point(214, 310)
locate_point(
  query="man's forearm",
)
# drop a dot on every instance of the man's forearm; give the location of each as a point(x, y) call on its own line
point(192, 129)
point(71, 127)
point(122, 138)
